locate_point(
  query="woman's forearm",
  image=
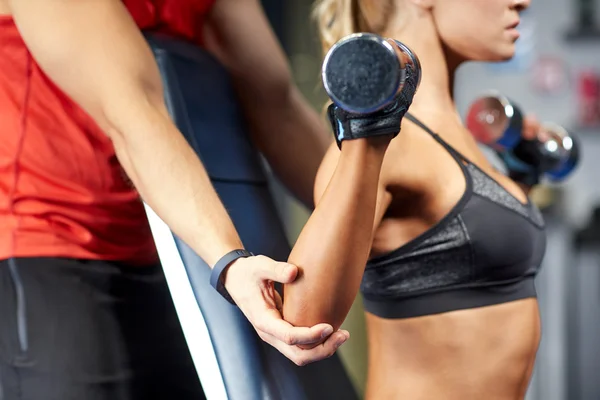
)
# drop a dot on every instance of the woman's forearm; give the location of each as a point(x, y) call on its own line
point(334, 246)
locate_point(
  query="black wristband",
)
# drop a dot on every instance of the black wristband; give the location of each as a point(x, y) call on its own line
point(347, 125)
point(215, 276)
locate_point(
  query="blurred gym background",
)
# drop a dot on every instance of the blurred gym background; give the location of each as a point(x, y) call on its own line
point(556, 76)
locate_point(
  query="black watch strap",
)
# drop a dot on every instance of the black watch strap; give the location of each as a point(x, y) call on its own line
point(215, 276)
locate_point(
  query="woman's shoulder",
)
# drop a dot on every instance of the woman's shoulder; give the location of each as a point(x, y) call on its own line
point(410, 158)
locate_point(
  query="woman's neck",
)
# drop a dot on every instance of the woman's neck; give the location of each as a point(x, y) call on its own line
point(434, 96)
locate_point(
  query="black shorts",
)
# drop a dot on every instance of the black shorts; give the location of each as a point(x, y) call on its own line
point(90, 330)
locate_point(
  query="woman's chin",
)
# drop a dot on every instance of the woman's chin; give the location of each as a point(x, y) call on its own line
point(507, 57)
point(508, 52)
point(502, 55)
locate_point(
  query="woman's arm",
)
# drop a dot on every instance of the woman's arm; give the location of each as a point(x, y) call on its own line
point(334, 246)
point(93, 51)
point(284, 127)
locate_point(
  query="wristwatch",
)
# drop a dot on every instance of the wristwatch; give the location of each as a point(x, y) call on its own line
point(215, 276)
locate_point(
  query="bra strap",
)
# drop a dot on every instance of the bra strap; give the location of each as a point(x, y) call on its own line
point(437, 137)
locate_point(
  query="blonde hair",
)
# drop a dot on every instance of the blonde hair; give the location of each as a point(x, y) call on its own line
point(339, 18)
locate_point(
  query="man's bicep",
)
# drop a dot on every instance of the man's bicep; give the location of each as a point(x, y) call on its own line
point(239, 34)
point(4, 8)
point(92, 49)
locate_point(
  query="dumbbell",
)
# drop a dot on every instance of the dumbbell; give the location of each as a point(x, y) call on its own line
point(363, 72)
point(497, 122)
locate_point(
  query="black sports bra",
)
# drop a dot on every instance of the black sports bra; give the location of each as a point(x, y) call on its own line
point(486, 250)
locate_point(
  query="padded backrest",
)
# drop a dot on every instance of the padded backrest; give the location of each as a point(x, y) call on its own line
point(202, 103)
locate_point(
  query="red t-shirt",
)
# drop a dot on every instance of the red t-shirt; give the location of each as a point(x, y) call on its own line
point(62, 190)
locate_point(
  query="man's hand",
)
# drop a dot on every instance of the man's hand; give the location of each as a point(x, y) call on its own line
point(250, 281)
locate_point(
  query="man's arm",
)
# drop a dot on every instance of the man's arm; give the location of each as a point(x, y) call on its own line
point(93, 50)
point(284, 127)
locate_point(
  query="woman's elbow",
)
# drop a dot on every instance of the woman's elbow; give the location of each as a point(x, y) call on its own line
point(310, 310)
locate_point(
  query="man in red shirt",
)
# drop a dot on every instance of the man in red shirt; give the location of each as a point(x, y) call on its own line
point(85, 309)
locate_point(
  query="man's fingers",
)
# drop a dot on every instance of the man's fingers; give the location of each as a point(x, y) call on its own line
point(334, 341)
point(292, 353)
point(277, 271)
point(302, 357)
point(345, 336)
point(289, 334)
point(278, 301)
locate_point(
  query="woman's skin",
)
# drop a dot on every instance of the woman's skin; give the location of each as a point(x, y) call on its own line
point(370, 183)
point(481, 353)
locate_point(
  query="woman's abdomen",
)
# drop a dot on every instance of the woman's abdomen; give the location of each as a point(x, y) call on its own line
point(478, 353)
